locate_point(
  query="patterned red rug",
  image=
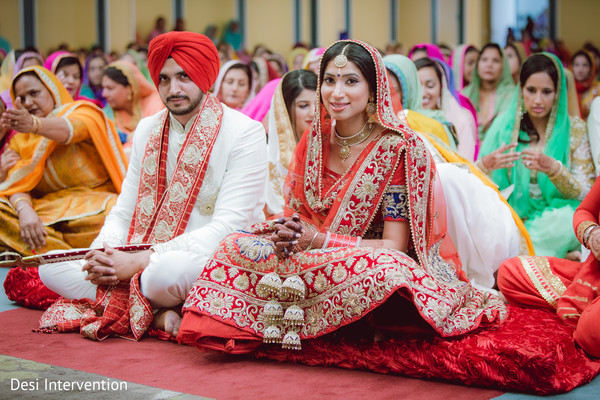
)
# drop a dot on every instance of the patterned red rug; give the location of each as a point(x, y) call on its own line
point(533, 351)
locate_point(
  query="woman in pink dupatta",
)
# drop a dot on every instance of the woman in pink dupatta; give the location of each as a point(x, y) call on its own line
point(355, 235)
point(67, 68)
point(463, 60)
point(258, 107)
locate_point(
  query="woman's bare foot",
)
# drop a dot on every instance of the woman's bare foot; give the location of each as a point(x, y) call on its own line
point(168, 320)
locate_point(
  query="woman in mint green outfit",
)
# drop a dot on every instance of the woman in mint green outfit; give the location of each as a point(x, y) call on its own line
point(540, 157)
point(491, 88)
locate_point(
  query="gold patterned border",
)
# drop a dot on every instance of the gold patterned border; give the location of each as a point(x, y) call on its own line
point(548, 285)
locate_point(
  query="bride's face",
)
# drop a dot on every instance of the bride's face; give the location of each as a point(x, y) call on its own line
point(345, 96)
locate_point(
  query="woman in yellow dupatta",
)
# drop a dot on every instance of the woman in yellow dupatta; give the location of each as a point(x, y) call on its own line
point(71, 167)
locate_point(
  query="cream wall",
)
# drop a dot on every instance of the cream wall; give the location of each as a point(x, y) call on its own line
point(146, 12)
point(331, 14)
point(448, 22)
point(10, 27)
point(371, 22)
point(274, 29)
point(477, 23)
point(75, 24)
point(414, 22)
point(578, 22)
point(200, 14)
point(74, 21)
point(305, 21)
point(120, 17)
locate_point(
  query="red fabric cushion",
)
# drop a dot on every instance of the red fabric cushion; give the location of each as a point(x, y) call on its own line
point(25, 287)
point(533, 351)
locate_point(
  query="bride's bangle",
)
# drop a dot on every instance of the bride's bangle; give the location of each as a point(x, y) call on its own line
point(335, 240)
point(586, 235)
point(312, 241)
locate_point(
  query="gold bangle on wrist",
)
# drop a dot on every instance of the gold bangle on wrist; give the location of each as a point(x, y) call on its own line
point(20, 199)
point(37, 124)
point(557, 172)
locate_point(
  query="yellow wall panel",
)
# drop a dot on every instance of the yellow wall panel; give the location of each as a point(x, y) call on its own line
point(66, 21)
point(121, 31)
point(371, 22)
point(331, 16)
point(448, 22)
point(477, 22)
point(146, 12)
point(10, 28)
point(200, 14)
point(414, 22)
point(305, 22)
point(578, 23)
point(270, 22)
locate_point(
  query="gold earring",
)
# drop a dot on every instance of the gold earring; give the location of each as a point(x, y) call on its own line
point(371, 110)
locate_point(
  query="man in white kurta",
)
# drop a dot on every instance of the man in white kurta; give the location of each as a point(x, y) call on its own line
point(230, 196)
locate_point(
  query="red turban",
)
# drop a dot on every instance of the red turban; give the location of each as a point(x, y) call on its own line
point(193, 52)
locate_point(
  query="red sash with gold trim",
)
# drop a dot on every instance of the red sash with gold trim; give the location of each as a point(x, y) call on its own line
point(162, 212)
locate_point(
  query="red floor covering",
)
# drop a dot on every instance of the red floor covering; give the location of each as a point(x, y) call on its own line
point(184, 369)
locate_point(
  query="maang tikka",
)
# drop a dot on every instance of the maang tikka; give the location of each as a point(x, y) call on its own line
point(341, 60)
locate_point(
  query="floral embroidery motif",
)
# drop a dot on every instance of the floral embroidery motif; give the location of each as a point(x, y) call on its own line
point(255, 248)
point(209, 193)
point(395, 203)
point(342, 285)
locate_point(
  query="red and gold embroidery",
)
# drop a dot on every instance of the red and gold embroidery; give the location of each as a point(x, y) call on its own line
point(162, 211)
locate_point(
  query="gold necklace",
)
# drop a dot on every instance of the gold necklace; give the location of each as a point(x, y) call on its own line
point(346, 142)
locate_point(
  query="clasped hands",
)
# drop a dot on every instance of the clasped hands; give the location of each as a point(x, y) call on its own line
point(111, 266)
point(291, 236)
point(505, 157)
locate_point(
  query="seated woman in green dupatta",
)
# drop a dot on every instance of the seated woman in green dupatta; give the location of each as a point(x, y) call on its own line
point(492, 86)
point(540, 157)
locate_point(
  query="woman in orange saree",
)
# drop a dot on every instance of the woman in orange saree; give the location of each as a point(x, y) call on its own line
point(70, 170)
point(365, 222)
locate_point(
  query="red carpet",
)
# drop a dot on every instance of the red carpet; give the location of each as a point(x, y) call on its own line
point(184, 369)
point(533, 351)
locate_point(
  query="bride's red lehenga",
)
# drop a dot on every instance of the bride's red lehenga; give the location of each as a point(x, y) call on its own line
point(247, 295)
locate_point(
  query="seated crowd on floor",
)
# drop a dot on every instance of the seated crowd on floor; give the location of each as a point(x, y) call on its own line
point(280, 197)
